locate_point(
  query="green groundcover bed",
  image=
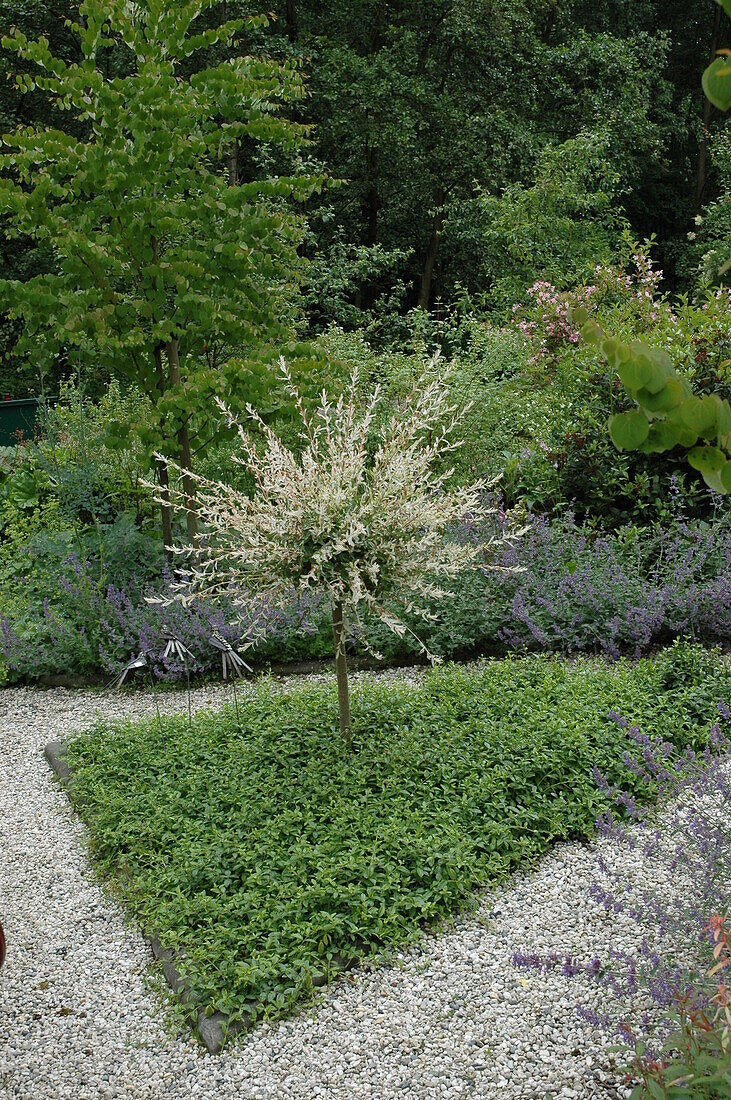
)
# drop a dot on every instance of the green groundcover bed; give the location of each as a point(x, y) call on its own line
point(266, 855)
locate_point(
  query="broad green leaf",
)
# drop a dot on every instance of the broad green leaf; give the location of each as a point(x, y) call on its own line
point(713, 481)
point(634, 375)
point(629, 430)
point(668, 397)
point(661, 369)
point(725, 476)
point(710, 463)
point(656, 382)
point(707, 460)
point(647, 368)
point(663, 436)
point(615, 352)
point(684, 436)
point(592, 333)
point(724, 417)
point(662, 360)
point(699, 413)
point(716, 82)
point(655, 1090)
point(639, 349)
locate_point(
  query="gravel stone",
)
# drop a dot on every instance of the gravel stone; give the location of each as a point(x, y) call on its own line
point(80, 1018)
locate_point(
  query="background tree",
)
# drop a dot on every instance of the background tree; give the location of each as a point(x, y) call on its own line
point(160, 268)
point(22, 258)
point(559, 228)
point(412, 108)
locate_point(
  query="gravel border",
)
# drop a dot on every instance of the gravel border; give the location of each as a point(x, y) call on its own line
point(212, 1030)
point(80, 1017)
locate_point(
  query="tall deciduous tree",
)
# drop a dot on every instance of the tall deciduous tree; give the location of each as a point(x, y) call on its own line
point(163, 266)
point(413, 107)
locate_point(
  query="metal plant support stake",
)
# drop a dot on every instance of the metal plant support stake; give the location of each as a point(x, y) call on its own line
point(232, 662)
point(140, 664)
point(135, 664)
point(175, 648)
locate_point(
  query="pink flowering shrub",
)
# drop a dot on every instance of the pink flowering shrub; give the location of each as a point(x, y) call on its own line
point(547, 318)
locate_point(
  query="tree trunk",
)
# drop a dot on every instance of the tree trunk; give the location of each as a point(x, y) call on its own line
point(233, 166)
point(707, 109)
point(191, 519)
point(364, 293)
point(427, 271)
point(166, 508)
point(292, 20)
point(372, 197)
point(341, 671)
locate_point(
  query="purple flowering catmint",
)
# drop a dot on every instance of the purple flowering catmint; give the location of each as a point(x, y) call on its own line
point(686, 864)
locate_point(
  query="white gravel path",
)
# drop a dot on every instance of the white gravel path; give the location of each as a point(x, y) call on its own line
point(454, 1018)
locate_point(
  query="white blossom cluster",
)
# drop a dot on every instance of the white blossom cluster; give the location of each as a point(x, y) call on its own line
point(357, 514)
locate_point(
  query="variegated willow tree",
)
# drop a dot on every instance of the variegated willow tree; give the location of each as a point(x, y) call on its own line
point(358, 514)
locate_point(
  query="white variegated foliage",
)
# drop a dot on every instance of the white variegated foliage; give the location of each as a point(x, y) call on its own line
point(357, 514)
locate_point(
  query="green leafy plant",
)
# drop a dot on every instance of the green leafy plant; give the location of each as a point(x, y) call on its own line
point(163, 267)
point(668, 412)
point(269, 856)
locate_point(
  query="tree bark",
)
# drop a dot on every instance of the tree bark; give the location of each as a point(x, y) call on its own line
point(341, 672)
point(191, 518)
point(233, 166)
point(166, 508)
point(291, 20)
point(363, 293)
point(707, 110)
point(371, 197)
point(427, 271)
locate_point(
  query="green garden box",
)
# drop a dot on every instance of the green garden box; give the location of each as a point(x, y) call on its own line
point(19, 417)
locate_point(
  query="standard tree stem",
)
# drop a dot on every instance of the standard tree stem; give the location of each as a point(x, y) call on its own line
point(341, 671)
